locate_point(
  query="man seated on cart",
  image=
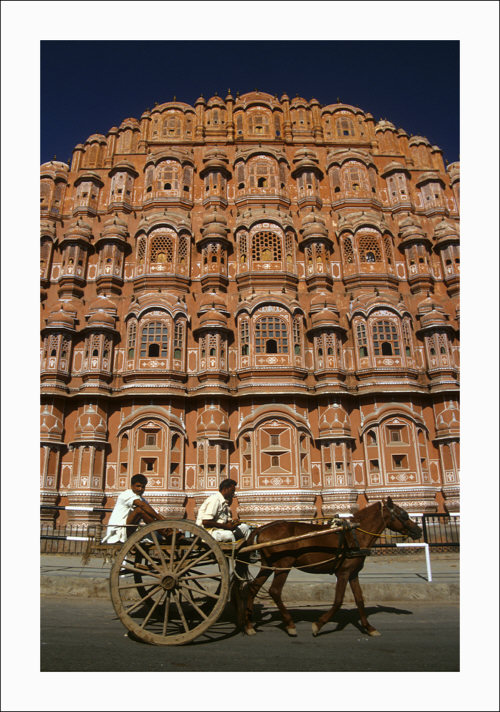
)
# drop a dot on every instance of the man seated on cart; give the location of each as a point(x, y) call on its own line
point(129, 510)
point(215, 516)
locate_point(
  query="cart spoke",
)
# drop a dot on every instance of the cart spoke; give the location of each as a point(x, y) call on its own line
point(141, 600)
point(200, 590)
point(165, 616)
point(203, 557)
point(187, 552)
point(132, 568)
point(179, 608)
point(191, 600)
point(146, 556)
point(158, 548)
point(137, 584)
point(150, 613)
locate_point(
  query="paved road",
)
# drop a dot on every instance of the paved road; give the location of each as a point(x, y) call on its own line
point(84, 635)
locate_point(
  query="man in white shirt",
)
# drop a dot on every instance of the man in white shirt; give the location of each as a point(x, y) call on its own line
point(129, 510)
point(215, 516)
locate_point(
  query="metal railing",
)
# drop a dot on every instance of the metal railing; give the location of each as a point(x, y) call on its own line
point(439, 531)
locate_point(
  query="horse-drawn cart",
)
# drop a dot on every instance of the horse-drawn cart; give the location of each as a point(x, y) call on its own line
point(171, 580)
point(168, 591)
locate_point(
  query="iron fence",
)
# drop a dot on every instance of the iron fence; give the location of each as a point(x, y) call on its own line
point(440, 531)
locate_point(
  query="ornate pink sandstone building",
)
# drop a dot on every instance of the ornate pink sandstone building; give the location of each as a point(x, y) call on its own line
point(257, 288)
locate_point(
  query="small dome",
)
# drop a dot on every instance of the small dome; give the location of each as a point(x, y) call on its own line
point(448, 422)
point(103, 303)
point(129, 123)
point(78, 230)
point(215, 101)
point(411, 228)
point(314, 225)
point(334, 422)
point(213, 423)
point(61, 319)
point(415, 140)
point(445, 231)
point(213, 319)
point(393, 167)
point(51, 426)
point(115, 227)
point(322, 300)
point(384, 125)
point(325, 318)
point(214, 216)
point(210, 300)
point(102, 319)
point(90, 426)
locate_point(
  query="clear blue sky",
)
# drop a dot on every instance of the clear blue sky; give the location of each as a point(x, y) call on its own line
point(89, 86)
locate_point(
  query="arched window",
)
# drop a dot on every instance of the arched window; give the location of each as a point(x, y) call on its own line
point(348, 250)
point(271, 335)
point(385, 338)
point(154, 340)
point(266, 247)
point(178, 339)
point(263, 174)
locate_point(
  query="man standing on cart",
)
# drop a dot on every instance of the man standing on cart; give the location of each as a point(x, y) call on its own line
point(215, 516)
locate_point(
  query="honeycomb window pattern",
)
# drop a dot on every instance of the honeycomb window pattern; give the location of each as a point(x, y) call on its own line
point(266, 247)
point(369, 249)
point(271, 335)
point(162, 249)
point(348, 250)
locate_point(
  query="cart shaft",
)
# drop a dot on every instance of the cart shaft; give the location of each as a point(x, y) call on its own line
point(254, 547)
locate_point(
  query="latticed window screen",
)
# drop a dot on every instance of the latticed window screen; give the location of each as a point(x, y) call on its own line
point(178, 339)
point(289, 247)
point(65, 347)
point(369, 249)
point(240, 173)
point(53, 343)
point(345, 127)
point(239, 123)
point(330, 344)
point(132, 332)
point(186, 176)
point(154, 333)
point(348, 250)
point(296, 335)
point(271, 335)
point(277, 124)
point(443, 344)
point(407, 337)
point(309, 253)
point(244, 338)
point(141, 250)
point(162, 249)
point(44, 193)
point(385, 338)
point(361, 339)
point(212, 345)
point(243, 246)
point(262, 175)
point(266, 247)
point(388, 249)
point(335, 178)
point(183, 250)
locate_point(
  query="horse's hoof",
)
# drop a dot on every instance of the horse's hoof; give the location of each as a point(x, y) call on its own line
point(374, 633)
point(315, 629)
point(250, 631)
point(292, 632)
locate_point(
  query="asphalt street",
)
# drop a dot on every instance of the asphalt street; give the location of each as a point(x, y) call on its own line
point(84, 635)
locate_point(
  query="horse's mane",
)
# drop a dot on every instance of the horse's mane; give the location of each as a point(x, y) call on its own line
point(360, 515)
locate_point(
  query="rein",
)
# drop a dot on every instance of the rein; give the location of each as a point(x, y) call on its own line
point(391, 536)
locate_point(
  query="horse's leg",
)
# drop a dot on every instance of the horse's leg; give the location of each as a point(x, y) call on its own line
point(275, 591)
point(358, 597)
point(252, 590)
point(342, 578)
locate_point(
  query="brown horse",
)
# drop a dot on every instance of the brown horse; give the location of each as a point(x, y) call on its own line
point(340, 553)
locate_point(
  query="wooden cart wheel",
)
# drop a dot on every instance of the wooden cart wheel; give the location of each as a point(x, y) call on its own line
point(167, 591)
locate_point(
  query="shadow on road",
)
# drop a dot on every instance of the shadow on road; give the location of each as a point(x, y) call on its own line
point(342, 618)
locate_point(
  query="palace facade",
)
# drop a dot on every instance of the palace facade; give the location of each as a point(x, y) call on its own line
point(251, 287)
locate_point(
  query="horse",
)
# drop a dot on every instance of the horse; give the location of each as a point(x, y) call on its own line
point(342, 553)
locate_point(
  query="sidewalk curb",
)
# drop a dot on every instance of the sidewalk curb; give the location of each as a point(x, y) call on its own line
point(74, 586)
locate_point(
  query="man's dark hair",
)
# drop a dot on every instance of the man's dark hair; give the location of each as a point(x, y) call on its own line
point(139, 478)
point(226, 483)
